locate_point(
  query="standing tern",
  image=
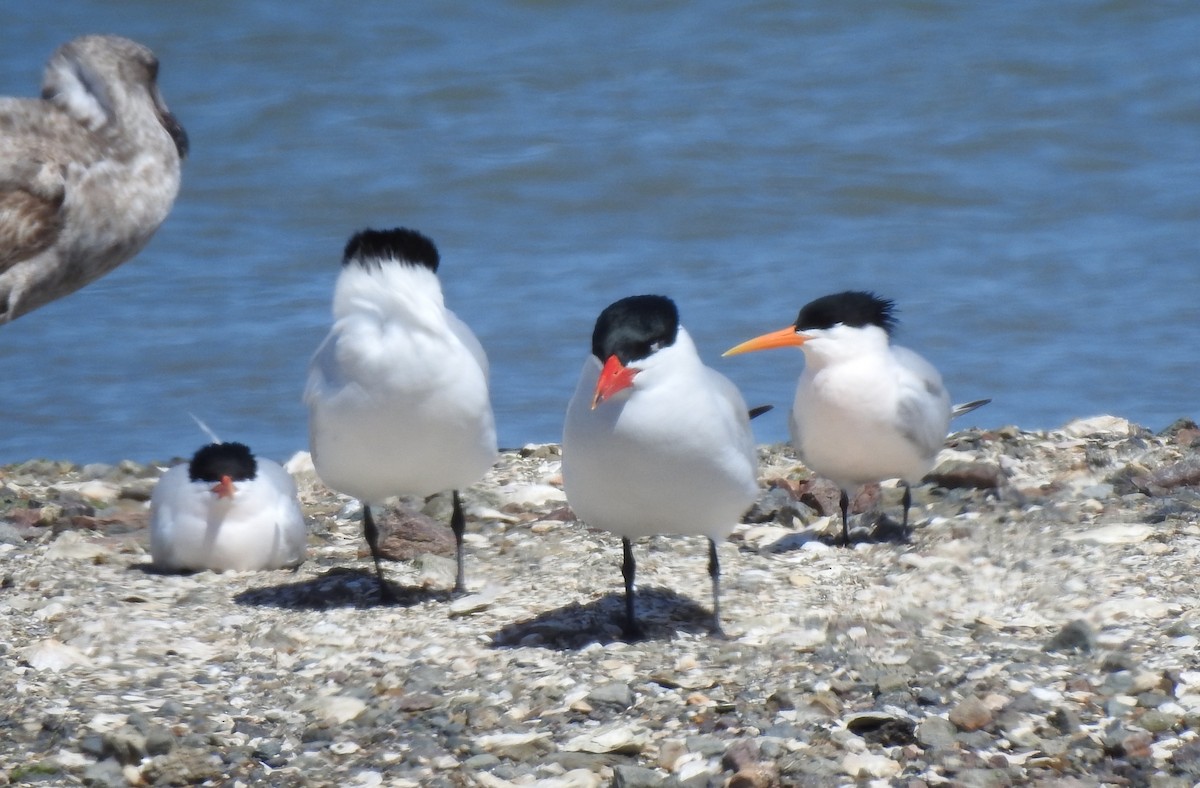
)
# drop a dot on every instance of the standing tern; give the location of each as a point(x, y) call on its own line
point(398, 391)
point(865, 410)
point(88, 171)
point(226, 510)
point(656, 442)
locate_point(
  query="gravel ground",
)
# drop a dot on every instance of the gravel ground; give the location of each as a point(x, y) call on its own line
point(1038, 626)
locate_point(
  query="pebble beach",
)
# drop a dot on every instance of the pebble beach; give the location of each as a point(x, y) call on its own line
point(1039, 625)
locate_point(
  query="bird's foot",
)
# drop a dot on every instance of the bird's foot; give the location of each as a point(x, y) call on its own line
point(386, 595)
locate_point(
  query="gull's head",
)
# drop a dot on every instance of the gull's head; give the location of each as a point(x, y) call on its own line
point(99, 80)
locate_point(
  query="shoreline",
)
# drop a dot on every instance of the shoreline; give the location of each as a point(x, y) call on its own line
point(1042, 624)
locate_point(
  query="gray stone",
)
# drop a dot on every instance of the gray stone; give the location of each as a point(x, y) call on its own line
point(159, 740)
point(625, 776)
point(971, 714)
point(1075, 636)
point(936, 732)
point(613, 696)
point(708, 746)
point(105, 774)
point(481, 762)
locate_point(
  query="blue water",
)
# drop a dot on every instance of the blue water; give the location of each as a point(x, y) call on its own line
point(1023, 178)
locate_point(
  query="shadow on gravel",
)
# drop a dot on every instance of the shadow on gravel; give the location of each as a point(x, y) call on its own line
point(884, 531)
point(150, 569)
point(339, 587)
point(662, 613)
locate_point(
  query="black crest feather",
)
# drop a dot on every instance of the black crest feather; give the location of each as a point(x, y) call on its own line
point(635, 327)
point(371, 247)
point(852, 308)
point(215, 460)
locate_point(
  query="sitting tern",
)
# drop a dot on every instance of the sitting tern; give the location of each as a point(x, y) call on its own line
point(226, 510)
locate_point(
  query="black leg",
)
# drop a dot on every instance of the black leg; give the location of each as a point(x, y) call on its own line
point(907, 500)
point(844, 502)
point(628, 568)
point(372, 533)
point(458, 524)
point(714, 571)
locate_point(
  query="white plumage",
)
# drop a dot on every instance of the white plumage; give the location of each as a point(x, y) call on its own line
point(865, 410)
point(228, 520)
point(667, 449)
point(398, 391)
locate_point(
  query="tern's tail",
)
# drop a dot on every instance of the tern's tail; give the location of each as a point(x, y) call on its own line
point(967, 407)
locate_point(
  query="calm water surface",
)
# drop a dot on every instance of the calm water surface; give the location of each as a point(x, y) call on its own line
point(1022, 178)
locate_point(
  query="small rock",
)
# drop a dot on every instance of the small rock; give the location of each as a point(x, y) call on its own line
point(72, 545)
point(474, 603)
point(1098, 425)
point(1114, 533)
point(516, 746)
point(126, 744)
point(1065, 720)
point(1156, 721)
point(614, 739)
point(105, 774)
point(936, 733)
point(405, 534)
point(740, 755)
point(614, 696)
point(1075, 636)
point(52, 654)
point(626, 776)
point(971, 714)
point(756, 776)
point(336, 709)
point(958, 474)
point(867, 764)
point(159, 740)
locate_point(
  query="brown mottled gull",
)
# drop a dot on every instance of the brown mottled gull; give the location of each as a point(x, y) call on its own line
point(87, 172)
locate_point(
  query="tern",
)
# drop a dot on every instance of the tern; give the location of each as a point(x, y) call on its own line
point(88, 171)
point(398, 391)
point(655, 442)
point(865, 410)
point(226, 510)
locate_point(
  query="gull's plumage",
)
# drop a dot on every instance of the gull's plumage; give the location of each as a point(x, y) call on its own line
point(88, 171)
point(865, 410)
point(665, 450)
point(226, 510)
point(398, 391)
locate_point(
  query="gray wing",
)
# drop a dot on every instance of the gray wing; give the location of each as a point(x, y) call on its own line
point(32, 190)
point(924, 407)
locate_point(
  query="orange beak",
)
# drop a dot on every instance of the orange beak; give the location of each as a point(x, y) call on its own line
point(614, 377)
point(784, 337)
point(224, 488)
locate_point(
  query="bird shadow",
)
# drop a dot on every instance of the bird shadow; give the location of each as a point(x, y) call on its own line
point(149, 568)
point(338, 587)
point(884, 530)
point(661, 614)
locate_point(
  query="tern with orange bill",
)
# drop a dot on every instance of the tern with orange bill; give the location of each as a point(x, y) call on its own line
point(655, 442)
point(226, 510)
point(865, 410)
